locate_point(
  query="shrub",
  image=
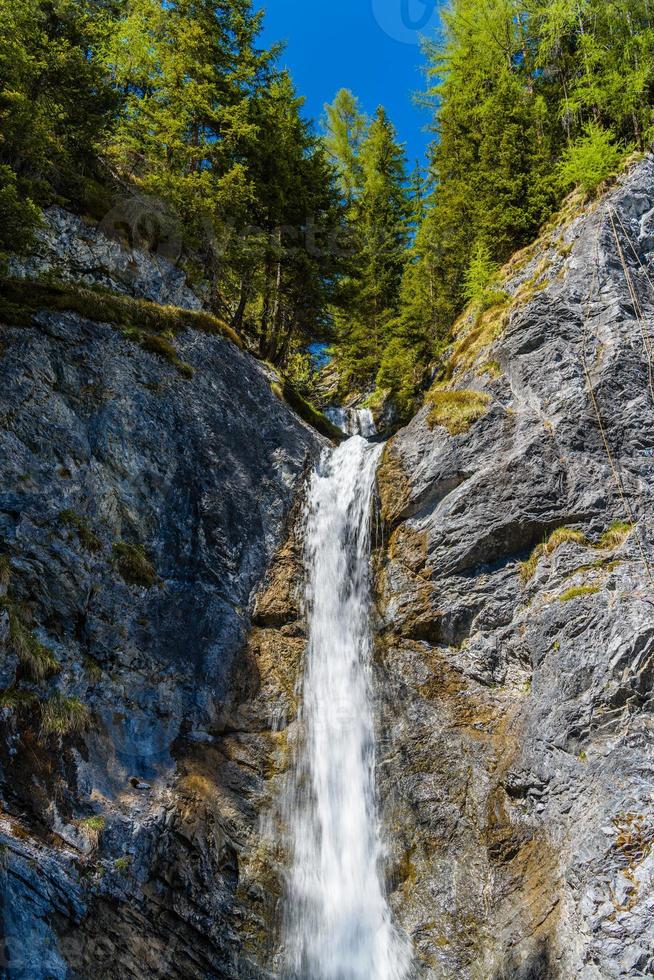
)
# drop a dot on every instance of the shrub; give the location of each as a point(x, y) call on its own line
point(19, 216)
point(456, 410)
point(123, 864)
point(64, 716)
point(591, 160)
point(89, 540)
point(133, 564)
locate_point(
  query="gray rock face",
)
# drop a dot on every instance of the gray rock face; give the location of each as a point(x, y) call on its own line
point(120, 846)
point(76, 251)
point(517, 764)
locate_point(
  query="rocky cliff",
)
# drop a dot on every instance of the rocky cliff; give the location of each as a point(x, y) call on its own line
point(151, 625)
point(146, 482)
point(516, 619)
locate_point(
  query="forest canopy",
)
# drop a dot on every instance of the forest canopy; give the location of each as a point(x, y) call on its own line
point(294, 232)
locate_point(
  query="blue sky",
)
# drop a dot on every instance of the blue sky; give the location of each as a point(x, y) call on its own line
point(368, 46)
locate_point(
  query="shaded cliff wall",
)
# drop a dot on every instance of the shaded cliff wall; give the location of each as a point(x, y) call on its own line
point(139, 510)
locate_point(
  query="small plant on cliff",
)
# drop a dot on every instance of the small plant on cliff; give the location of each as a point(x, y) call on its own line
point(88, 539)
point(35, 657)
point(481, 278)
point(616, 535)
point(561, 536)
point(577, 591)
point(456, 410)
point(64, 716)
point(92, 827)
point(133, 564)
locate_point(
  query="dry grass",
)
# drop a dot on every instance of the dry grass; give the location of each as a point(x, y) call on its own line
point(88, 539)
point(34, 656)
point(615, 536)
point(63, 716)
point(133, 564)
point(456, 411)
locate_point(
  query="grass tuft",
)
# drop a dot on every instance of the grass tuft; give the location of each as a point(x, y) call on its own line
point(64, 716)
point(14, 699)
point(34, 656)
point(456, 410)
point(88, 539)
point(133, 564)
point(92, 827)
point(615, 536)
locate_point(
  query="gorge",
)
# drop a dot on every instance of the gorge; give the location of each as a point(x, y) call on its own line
point(192, 563)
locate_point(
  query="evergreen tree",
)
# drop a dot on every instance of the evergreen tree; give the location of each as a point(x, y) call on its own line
point(345, 128)
point(380, 221)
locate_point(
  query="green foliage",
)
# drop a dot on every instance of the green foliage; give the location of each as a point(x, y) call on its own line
point(63, 716)
point(123, 864)
point(286, 392)
point(19, 216)
point(480, 279)
point(133, 564)
point(591, 160)
point(35, 658)
point(456, 410)
point(92, 827)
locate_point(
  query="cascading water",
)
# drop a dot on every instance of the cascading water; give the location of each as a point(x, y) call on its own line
point(338, 924)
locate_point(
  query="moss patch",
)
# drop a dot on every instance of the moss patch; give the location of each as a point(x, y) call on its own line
point(22, 298)
point(577, 591)
point(559, 537)
point(615, 536)
point(133, 564)
point(393, 486)
point(287, 393)
point(456, 410)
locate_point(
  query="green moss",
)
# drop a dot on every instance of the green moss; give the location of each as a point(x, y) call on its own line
point(456, 410)
point(92, 670)
point(88, 539)
point(287, 393)
point(577, 591)
point(64, 716)
point(22, 298)
point(123, 864)
point(133, 564)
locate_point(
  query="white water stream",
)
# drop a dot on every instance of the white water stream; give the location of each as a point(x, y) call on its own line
point(339, 924)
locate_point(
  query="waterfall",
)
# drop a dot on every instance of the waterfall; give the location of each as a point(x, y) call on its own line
point(338, 923)
point(353, 421)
